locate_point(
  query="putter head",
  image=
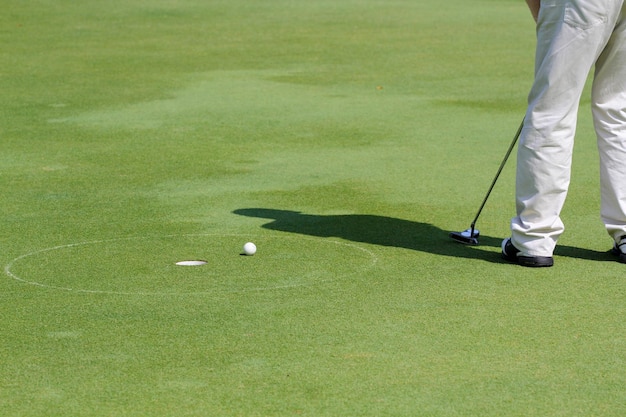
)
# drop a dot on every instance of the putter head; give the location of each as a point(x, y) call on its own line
point(466, 236)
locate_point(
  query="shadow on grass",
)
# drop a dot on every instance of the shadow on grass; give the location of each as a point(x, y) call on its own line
point(388, 231)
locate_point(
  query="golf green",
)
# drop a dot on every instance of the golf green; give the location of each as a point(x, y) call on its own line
point(346, 139)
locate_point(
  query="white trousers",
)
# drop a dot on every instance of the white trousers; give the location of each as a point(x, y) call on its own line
point(573, 36)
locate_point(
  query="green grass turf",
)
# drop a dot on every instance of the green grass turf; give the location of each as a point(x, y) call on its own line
point(345, 138)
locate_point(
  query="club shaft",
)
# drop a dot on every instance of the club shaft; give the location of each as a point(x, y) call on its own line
point(493, 183)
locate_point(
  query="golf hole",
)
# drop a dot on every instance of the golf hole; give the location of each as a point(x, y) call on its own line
point(191, 263)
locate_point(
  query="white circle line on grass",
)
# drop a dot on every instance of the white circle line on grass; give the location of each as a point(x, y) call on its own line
point(11, 274)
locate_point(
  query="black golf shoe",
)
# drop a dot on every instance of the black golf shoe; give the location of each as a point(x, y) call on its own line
point(619, 249)
point(511, 254)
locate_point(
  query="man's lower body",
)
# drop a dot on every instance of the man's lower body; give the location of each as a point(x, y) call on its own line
point(572, 37)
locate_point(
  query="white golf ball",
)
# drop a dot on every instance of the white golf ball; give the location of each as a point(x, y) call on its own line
point(249, 248)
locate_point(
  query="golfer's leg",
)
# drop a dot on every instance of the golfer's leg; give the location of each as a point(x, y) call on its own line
point(566, 51)
point(609, 113)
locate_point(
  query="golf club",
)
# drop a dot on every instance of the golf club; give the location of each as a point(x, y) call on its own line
point(470, 236)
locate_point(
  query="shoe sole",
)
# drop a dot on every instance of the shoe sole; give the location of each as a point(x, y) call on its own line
point(535, 261)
